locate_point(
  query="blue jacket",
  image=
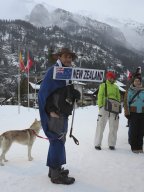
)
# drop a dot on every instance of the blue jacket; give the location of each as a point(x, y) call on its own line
point(48, 86)
point(137, 106)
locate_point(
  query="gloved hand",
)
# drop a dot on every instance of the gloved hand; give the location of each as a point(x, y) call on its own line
point(76, 95)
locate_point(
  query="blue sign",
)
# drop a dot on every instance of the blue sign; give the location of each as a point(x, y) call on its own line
point(62, 73)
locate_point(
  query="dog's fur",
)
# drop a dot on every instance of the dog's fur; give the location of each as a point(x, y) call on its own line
point(25, 137)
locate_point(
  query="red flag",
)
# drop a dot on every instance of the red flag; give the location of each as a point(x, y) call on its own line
point(29, 63)
point(21, 62)
point(129, 75)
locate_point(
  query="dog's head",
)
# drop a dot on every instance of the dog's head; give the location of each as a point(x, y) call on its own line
point(36, 125)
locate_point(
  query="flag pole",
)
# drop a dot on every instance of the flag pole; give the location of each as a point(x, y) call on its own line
point(29, 64)
point(19, 78)
point(28, 77)
point(35, 84)
point(28, 89)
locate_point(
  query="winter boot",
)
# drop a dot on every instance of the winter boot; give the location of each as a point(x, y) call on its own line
point(98, 147)
point(140, 150)
point(63, 172)
point(111, 147)
point(58, 178)
point(135, 151)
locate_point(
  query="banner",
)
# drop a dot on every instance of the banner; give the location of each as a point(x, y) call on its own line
point(29, 63)
point(78, 74)
point(21, 63)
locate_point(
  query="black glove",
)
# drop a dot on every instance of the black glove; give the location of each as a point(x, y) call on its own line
point(76, 95)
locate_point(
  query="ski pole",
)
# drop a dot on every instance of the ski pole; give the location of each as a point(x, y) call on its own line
point(75, 140)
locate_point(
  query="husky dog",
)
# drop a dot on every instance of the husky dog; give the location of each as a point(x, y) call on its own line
point(25, 137)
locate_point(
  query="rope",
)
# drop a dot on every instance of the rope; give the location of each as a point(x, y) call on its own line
point(39, 135)
point(46, 137)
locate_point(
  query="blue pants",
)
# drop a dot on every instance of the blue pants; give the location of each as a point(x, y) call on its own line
point(56, 154)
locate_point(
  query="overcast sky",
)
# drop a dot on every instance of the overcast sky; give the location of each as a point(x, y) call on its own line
point(133, 9)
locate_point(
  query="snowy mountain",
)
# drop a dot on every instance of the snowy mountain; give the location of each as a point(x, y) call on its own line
point(71, 22)
point(42, 16)
point(98, 52)
point(98, 45)
point(133, 31)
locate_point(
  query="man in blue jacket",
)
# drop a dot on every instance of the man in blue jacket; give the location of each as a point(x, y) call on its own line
point(56, 100)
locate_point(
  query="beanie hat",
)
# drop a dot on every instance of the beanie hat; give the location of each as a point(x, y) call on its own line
point(110, 74)
point(137, 76)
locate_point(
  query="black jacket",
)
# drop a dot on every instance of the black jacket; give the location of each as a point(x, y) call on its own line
point(62, 100)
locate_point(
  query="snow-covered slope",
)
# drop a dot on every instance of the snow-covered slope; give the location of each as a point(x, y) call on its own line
point(66, 20)
point(132, 30)
point(94, 171)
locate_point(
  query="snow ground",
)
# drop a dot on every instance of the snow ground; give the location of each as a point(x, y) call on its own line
point(94, 171)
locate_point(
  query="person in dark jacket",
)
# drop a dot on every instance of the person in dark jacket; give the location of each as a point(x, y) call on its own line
point(56, 100)
point(134, 112)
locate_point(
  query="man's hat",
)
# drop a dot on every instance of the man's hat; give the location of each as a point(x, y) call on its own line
point(67, 51)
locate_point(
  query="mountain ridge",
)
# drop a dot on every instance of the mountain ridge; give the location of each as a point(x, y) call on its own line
point(97, 45)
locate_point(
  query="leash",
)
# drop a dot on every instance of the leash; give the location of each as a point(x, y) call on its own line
point(71, 136)
point(39, 135)
point(46, 137)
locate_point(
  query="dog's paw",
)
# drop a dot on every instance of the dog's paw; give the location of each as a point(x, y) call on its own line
point(1, 164)
point(5, 160)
